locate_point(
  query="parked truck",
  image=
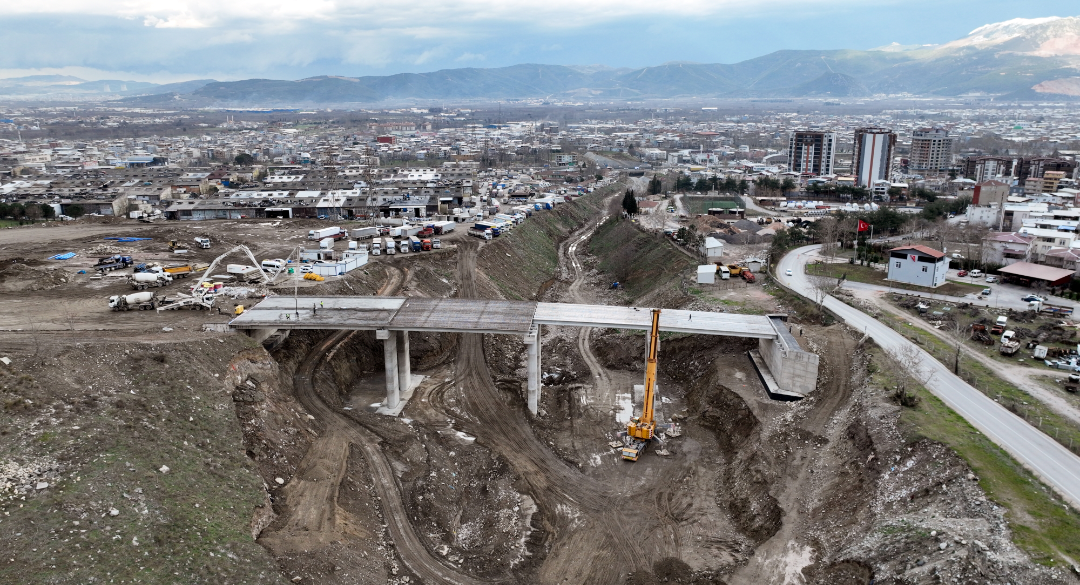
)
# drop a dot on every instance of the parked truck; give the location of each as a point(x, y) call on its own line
point(244, 272)
point(480, 233)
point(389, 246)
point(414, 243)
point(179, 270)
point(436, 243)
point(328, 232)
point(488, 225)
point(365, 233)
point(1009, 346)
point(203, 243)
point(1059, 310)
point(404, 246)
point(444, 227)
point(747, 276)
point(110, 263)
point(425, 244)
point(140, 300)
point(144, 280)
point(376, 247)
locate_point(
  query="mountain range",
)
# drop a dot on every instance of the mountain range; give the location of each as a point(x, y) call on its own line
point(1017, 59)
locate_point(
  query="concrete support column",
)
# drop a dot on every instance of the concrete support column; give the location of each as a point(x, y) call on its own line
point(532, 362)
point(390, 356)
point(403, 365)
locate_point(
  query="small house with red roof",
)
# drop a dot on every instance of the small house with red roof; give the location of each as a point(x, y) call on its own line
point(918, 265)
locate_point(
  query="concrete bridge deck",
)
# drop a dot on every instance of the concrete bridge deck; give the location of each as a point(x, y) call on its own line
point(483, 316)
point(793, 370)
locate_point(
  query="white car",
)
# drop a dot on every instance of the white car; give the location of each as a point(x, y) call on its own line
point(991, 279)
point(789, 272)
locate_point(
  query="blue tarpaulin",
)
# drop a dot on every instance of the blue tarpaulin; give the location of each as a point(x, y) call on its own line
point(64, 256)
point(129, 239)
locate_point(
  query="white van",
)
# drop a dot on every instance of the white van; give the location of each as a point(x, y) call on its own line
point(273, 265)
point(976, 274)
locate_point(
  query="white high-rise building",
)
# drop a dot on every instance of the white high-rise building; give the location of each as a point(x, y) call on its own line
point(873, 154)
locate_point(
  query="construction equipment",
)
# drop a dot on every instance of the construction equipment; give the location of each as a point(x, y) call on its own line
point(641, 430)
point(266, 278)
point(114, 262)
point(735, 269)
point(141, 301)
point(143, 280)
point(198, 300)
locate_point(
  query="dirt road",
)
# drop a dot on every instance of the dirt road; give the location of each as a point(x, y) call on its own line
point(311, 494)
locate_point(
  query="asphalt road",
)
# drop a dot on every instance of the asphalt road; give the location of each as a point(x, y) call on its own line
point(1040, 454)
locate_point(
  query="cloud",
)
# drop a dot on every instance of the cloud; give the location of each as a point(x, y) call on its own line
point(464, 57)
point(175, 21)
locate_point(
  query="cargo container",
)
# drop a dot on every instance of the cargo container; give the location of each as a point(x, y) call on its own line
point(415, 243)
point(443, 227)
point(319, 234)
point(364, 233)
point(480, 233)
point(488, 225)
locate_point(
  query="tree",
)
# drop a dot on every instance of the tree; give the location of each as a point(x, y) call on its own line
point(47, 211)
point(75, 211)
point(629, 203)
point(655, 185)
point(32, 212)
point(244, 159)
point(820, 287)
point(599, 177)
point(905, 365)
point(788, 185)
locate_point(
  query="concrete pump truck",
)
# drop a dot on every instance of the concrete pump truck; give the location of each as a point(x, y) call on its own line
point(642, 430)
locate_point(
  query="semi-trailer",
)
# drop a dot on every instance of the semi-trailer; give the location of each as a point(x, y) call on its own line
point(115, 262)
point(389, 246)
point(415, 243)
point(364, 233)
point(488, 225)
point(444, 227)
point(480, 233)
point(376, 247)
point(328, 232)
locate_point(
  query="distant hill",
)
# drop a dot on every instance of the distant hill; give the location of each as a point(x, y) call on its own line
point(1018, 59)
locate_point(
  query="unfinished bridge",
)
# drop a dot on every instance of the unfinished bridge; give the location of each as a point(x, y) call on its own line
point(786, 370)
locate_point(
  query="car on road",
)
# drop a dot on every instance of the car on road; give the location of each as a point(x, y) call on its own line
point(986, 291)
point(991, 279)
point(962, 273)
point(1030, 298)
point(789, 272)
point(975, 273)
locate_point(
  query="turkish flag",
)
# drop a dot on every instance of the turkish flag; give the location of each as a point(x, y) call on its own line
point(863, 226)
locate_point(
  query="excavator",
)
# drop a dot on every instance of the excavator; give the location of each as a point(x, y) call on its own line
point(641, 430)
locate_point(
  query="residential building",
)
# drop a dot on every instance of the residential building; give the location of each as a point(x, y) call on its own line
point(1007, 248)
point(988, 168)
point(1047, 183)
point(812, 153)
point(918, 265)
point(873, 155)
point(931, 150)
point(990, 193)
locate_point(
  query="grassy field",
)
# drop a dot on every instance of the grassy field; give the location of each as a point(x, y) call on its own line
point(640, 261)
point(696, 205)
point(1042, 525)
point(857, 273)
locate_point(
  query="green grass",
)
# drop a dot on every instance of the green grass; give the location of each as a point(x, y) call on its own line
point(1042, 525)
point(698, 205)
point(857, 273)
point(8, 223)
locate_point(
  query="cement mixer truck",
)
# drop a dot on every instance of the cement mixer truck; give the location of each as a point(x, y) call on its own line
point(143, 280)
point(140, 300)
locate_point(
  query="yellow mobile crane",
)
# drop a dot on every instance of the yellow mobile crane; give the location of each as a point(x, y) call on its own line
point(641, 430)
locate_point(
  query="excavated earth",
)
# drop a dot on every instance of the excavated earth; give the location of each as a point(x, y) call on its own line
point(228, 463)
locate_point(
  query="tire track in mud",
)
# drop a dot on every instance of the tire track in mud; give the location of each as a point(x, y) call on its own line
point(314, 515)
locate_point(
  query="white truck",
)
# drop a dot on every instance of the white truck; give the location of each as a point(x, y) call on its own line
point(144, 280)
point(203, 243)
point(376, 247)
point(389, 246)
point(140, 300)
point(319, 234)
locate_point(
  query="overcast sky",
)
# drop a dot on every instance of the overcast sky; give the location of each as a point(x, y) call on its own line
point(172, 40)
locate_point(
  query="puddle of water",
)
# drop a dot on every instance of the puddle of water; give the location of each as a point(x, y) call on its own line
point(625, 408)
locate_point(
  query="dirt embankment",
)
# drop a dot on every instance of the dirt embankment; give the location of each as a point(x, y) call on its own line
point(644, 265)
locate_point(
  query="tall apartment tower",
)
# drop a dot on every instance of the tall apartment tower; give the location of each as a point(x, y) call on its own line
point(931, 150)
point(873, 154)
point(812, 153)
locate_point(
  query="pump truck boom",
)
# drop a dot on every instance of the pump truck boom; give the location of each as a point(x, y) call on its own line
point(641, 430)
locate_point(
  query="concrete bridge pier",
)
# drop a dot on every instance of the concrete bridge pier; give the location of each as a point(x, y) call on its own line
point(532, 359)
point(390, 358)
point(403, 365)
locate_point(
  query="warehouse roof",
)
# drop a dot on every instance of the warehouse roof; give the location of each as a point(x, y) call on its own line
point(921, 249)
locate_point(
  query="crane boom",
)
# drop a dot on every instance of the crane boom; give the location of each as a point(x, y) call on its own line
point(642, 429)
